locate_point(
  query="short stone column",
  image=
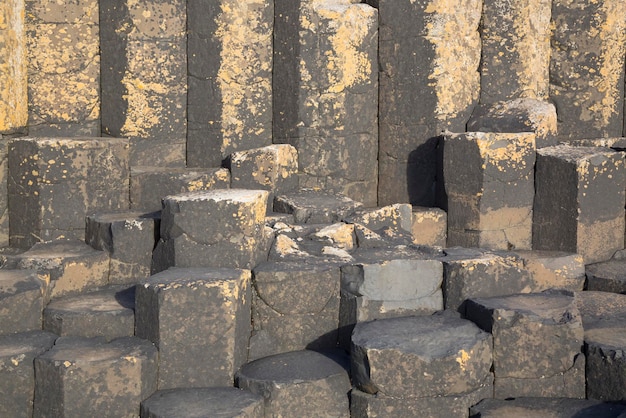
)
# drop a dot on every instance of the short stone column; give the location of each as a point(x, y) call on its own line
point(21, 300)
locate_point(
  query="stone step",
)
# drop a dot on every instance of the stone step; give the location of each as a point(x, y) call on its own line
point(21, 300)
point(607, 276)
point(545, 407)
point(316, 207)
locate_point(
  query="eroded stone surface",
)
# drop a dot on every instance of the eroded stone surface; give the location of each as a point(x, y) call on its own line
point(21, 300)
point(557, 408)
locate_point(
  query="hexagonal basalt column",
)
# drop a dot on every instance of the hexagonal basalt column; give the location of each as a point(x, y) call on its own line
point(21, 300)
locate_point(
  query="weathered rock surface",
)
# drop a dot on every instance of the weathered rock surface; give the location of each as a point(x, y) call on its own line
point(21, 300)
point(315, 207)
point(544, 407)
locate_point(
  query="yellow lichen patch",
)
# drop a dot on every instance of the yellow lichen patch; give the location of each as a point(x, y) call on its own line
point(462, 359)
point(13, 67)
point(505, 150)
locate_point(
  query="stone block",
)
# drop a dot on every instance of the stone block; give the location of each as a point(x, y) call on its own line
point(364, 405)
point(144, 78)
point(429, 227)
point(72, 266)
point(326, 93)
point(81, 375)
point(316, 207)
point(421, 356)
point(515, 50)
point(489, 180)
point(216, 228)
point(544, 407)
point(553, 270)
point(149, 185)
point(13, 68)
point(519, 115)
point(296, 306)
point(63, 67)
point(397, 217)
point(202, 402)
point(128, 238)
point(298, 383)
point(17, 375)
point(608, 276)
point(229, 54)
point(273, 168)
point(429, 56)
point(585, 213)
point(107, 313)
point(586, 74)
point(54, 183)
point(183, 311)
point(4, 193)
point(21, 300)
point(469, 273)
point(339, 235)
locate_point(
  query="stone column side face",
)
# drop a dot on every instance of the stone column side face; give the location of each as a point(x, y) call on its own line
point(13, 72)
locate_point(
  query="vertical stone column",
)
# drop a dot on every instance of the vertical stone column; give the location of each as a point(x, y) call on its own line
point(429, 81)
point(587, 67)
point(13, 84)
point(230, 78)
point(325, 93)
point(63, 67)
point(515, 50)
point(144, 78)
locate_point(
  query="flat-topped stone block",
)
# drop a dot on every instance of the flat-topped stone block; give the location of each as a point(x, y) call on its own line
point(535, 337)
point(554, 269)
point(298, 383)
point(397, 217)
point(107, 313)
point(429, 226)
point(185, 310)
point(316, 207)
point(607, 276)
point(81, 375)
point(72, 266)
point(489, 181)
point(128, 238)
point(585, 213)
point(17, 374)
point(21, 300)
point(421, 356)
point(54, 182)
point(224, 402)
point(214, 228)
point(524, 407)
point(149, 185)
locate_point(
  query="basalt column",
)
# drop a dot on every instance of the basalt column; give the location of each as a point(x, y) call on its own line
point(230, 78)
point(144, 78)
point(325, 93)
point(429, 81)
point(587, 67)
point(63, 67)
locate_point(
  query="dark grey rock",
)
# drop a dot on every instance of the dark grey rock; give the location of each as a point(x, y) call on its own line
point(544, 407)
point(315, 207)
point(21, 300)
point(608, 276)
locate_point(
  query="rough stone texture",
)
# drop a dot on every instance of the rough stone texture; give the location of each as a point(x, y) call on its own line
point(184, 311)
point(144, 78)
point(226, 402)
point(364, 405)
point(515, 50)
point(299, 384)
point(81, 375)
point(63, 67)
point(489, 180)
point(545, 407)
point(587, 67)
point(13, 68)
point(519, 115)
point(579, 201)
point(17, 375)
point(296, 306)
point(21, 300)
point(107, 313)
point(216, 228)
point(315, 207)
point(149, 185)
point(4, 192)
point(609, 276)
point(604, 316)
point(128, 238)
point(429, 81)
point(396, 217)
point(273, 168)
point(535, 337)
point(429, 227)
point(422, 356)
point(325, 93)
point(477, 273)
point(554, 270)
point(229, 54)
point(54, 183)
point(72, 266)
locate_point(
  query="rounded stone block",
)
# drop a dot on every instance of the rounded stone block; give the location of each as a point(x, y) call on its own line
point(298, 384)
point(421, 356)
point(80, 376)
point(21, 300)
point(222, 402)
